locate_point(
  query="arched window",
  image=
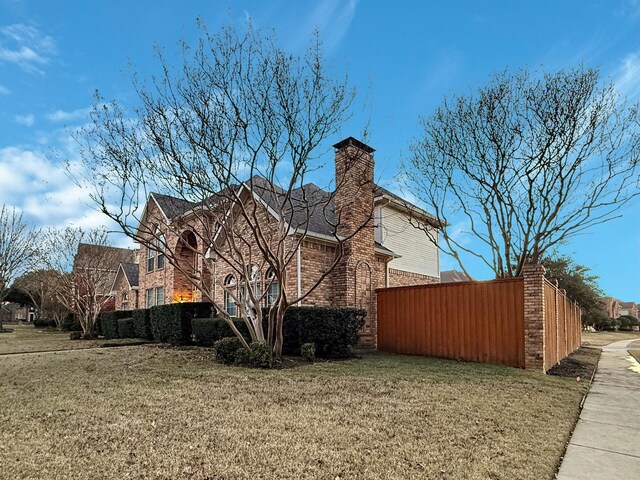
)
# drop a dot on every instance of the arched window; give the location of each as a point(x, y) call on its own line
point(229, 302)
point(272, 286)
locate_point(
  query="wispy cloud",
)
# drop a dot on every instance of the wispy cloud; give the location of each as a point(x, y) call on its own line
point(64, 116)
point(332, 18)
point(4, 90)
point(25, 46)
point(627, 76)
point(26, 120)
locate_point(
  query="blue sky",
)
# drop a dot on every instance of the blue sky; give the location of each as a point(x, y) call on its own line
point(402, 56)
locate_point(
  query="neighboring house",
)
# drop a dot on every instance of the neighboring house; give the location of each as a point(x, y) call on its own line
point(448, 276)
point(125, 287)
point(105, 261)
point(392, 253)
point(611, 307)
point(14, 312)
point(628, 308)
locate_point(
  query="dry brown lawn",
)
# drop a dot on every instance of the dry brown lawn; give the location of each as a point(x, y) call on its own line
point(153, 412)
point(27, 338)
point(600, 339)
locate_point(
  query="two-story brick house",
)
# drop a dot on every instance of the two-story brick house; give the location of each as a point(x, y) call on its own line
point(390, 251)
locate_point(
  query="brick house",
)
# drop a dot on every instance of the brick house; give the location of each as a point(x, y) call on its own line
point(125, 287)
point(106, 261)
point(628, 308)
point(390, 251)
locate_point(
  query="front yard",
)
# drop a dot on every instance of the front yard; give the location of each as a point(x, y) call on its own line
point(155, 412)
point(26, 338)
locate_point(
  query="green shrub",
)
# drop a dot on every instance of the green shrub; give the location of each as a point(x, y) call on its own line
point(242, 357)
point(308, 351)
point(75, 335)
point(70, 324)
point(333, 330)
point(142, 323)
point(109, 322)
point(205, 331)
point(44, 323)
point(226, 349)
point(126, 328)
point(260, 355)
point(172, 323)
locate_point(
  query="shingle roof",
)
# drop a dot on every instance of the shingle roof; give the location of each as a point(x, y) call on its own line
point(172, 206)
point(111, 256)
point(307, 204)
point(453, 276)
point(131, 271)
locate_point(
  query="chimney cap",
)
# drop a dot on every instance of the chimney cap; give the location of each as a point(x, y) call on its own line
point(350, 141)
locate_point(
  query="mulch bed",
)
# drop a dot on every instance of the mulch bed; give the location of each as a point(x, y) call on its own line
point(581, 363)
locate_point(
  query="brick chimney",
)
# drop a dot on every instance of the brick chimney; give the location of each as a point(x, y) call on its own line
point(354, 209)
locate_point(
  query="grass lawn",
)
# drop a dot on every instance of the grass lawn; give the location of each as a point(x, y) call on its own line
point(26, 338)
point(600, 339)
point(154, 412)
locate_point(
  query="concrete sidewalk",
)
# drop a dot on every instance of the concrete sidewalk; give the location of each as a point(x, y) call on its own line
point(604, 444)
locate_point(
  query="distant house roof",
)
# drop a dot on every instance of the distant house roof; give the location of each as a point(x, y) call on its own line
point(131, 272)
point(449, 276)
point(104, 258)
point(111, 256)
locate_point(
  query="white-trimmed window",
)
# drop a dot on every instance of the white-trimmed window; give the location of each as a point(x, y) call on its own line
point(159, 295)
point(149, 297)
point(229, 302)
point(272, 287)
point(160, 246)
point(151, 259)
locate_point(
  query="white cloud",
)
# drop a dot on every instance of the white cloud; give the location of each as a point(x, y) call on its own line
point(25, 46)
point(63, 116)
point(627, 76)
point(4, 90)
point(26, 120)
point(332, 18)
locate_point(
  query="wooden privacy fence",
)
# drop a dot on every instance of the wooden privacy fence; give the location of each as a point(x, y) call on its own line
point(522, 322)
point(562, 327)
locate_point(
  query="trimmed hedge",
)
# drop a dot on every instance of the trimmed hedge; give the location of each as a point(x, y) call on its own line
point(142, 323)
point(333, 330)
point(172, 323)
point(126, 328)
point(206, 331)
point(70, 324)
point(44, 323)
point(109, 322)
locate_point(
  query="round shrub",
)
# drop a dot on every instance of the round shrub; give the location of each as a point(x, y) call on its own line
point(260, 355)
point(308, 351)
point(225, 349)
point(75, 335)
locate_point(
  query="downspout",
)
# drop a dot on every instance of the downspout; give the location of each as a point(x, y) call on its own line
point(299, 274)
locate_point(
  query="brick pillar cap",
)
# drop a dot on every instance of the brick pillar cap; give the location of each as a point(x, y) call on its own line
point(534, 267)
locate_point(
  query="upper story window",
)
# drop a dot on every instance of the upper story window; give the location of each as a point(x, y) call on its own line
point(151, 259)
point(161, 243)
point(155, 252)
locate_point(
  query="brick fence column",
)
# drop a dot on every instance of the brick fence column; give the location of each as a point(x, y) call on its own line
point(534, 317)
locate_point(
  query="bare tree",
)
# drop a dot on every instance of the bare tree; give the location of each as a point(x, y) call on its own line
point(526, 163)
point(41, 286)
point(233, 135)
point(84, 267)
point(16, 248)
